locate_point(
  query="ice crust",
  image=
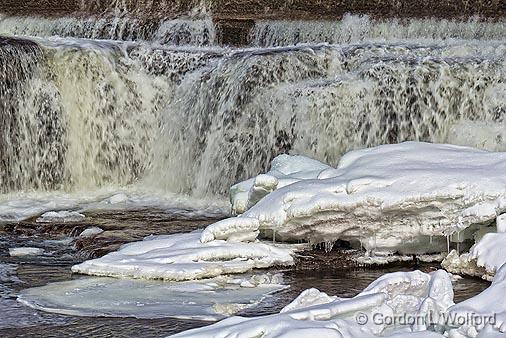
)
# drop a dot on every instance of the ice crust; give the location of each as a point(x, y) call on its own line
point(402, 198)
point(315, 314)
point(209, 299)
point(184, 257)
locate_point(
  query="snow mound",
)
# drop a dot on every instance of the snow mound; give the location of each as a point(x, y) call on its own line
point(210, 299)
point(60, 216)
point(184, 257)
point(315, 314)
point(402, 198)
point(484, 313)
point(25, 251)
point(285, 170)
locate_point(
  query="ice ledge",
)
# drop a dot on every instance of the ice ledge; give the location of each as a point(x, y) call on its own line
point(184, 257)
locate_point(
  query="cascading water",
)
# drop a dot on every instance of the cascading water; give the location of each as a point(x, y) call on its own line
point(82, 114)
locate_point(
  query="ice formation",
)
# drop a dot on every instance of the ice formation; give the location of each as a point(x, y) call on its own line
point(60, 216)
point(488, 310)
point(90, 232)
point(209, 299)
point(314, 313)
point(404, 198)
point(285, 170)
point(25, 251)
point(184, 257)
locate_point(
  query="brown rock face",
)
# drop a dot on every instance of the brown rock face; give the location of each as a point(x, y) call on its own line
point(262, 9)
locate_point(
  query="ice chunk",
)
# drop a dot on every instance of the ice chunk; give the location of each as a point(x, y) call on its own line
point(209, 299)
point(185, 257)
point(485, 312)
point(90, 232)
point(501, 223)
point(285, 170)
point(404, 198)
point(315, 313)
point(489, 252)
point(483, 260)
point(60, 216)
point(25, 251)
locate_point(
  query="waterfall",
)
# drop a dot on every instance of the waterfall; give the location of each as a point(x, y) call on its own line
point(355, 29)
point(197, 32)
point(158, 111)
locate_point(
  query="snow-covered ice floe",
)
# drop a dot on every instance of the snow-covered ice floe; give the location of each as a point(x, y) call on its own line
point(315, 314)
point(25, 251)
point(210, 299)
point(184, 257)
point(408, 198)
point(60, 216)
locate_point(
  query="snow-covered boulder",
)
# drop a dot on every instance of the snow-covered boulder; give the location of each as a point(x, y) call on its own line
point(404, 198)
point(369, 314)
point(184, 257)
point(285, 170)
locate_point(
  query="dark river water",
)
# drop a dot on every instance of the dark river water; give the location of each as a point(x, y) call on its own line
point(18, 273)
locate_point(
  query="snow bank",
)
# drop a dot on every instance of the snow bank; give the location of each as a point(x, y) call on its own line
point(210, 299)
point(185, 257)
point(393, 198)
point(25, 251)
point(315, 314)
point(488, 310)
point(285, 170)
point(60, 216)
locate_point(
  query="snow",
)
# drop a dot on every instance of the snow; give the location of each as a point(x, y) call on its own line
point(404, 198)
point(25, 251)
point(210, 299)
point(60, 216)
point(488, 306)
point(285, 170)
point(183, 257)
point(501, 223)
point(315, 314)
point(483, 260)
point(240, 229)
point(91, 232)
point(22, 206)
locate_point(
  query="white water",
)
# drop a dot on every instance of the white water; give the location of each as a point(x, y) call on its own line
point(354, 29)
point(195, 32)
point(83, 115)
